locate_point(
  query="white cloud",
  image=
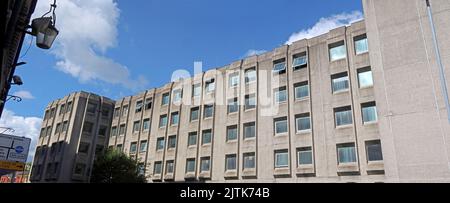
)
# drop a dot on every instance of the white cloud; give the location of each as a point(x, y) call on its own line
point(87, 30)
point(253, 52)
point(326, 24)
point(23, 127)
point(24, 94)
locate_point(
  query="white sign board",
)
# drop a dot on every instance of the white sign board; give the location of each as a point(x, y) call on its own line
point(14, 149)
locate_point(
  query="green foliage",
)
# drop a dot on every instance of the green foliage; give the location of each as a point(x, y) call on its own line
point(116, 167)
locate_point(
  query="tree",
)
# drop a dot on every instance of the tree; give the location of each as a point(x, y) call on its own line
point(116, 167)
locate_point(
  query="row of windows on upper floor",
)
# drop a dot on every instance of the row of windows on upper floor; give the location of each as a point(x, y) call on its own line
point(346, 153)
point(340, 83)
point(343, 116)
point(88, 128)
point(67, 108)
point(64, 108)
point(337, 51)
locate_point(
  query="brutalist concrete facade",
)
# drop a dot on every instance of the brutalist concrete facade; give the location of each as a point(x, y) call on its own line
point(322, 138)
point(75, 129)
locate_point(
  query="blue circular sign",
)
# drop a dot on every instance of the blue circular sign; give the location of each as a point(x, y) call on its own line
point(19, 149)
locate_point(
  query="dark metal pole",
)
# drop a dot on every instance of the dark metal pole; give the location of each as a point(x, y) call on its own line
point(439, 61)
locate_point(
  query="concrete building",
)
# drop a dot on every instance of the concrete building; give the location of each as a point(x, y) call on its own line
point(74, 130)
point(358, 104)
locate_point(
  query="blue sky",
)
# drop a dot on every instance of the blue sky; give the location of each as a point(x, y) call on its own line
point(118, 48)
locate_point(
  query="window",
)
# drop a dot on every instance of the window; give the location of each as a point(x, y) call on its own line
point(141, 169)
point(172, 141)
point(159, 143)
point(102, 130)
point(175, 118)
point(361, 44)
point(303, 122)
point(346, 153)
point(65, 126)
point(46, 115)
point(79, 169)
point(105, 112)
point(280, 95)
point(192, 139)
point(62, 109)
point(250, 102)
point(83, 148)
point(177, 95)
point(249, 130)
point(204, 164)
point(206, 137)
point(139, 105)
point(210, 86)
point(69, 107)
point(143, 146)
point(58, 128)
point(230, 162)
point(340, 82)
point(209, 111)
point(91, 108)
point(148, 104)
point(99, 149)
point(136, 126)
point(43, 133)
point(300, 61)
point(124, 111)
point(196, 90)
point(169, 167)
point(279, 66)
point(122, 129)
point(304, 156)
point(119, 147)
point(157, 168)
point(232, 133)
point(233, 105)
point(162, 121)
point(373, 150)
point(113, 131)
point(52, 113)
point(301, 90)
point(165, 99)
point(133, 147)
point(249, 160)
point(280, 125)
point(281, 159)
point(337, 51)
point(116, 112)
point(88, 127)
point(146, 124)
point(190, 165)
point(365, 77)
point(233, 79)
point(369, 112)
point(343, 116)
point(250, 75)
point(49, 131)
point(194, 113)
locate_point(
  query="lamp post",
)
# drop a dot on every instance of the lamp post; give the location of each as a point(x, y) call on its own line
point(44, 28)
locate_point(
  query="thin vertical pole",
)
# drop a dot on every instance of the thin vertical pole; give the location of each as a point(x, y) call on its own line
point(439, 61)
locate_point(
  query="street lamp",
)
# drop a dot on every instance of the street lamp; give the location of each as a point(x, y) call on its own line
point(44, 29)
